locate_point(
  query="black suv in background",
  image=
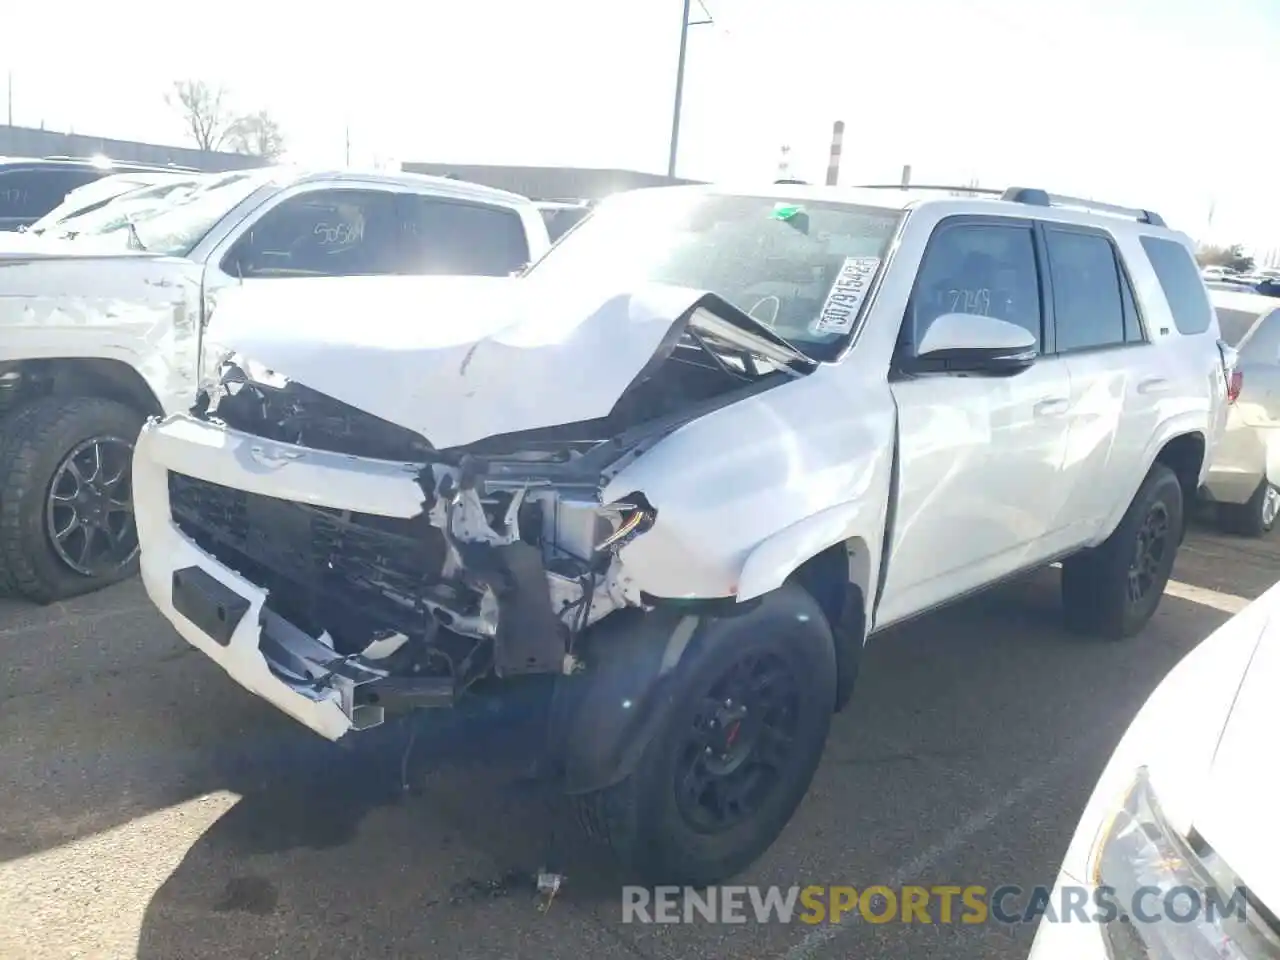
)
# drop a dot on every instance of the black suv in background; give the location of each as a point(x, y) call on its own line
point(31, 188)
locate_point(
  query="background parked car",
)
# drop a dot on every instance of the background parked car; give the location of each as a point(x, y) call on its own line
point(101, 325)
point(97, 194)
point(1217, 273)
point(30, 188)
point(1243, 477)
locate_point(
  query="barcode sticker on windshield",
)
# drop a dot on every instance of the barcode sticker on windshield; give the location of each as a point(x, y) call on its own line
point(846, 295)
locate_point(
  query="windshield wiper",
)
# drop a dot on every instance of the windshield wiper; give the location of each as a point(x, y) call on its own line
point(135, 241)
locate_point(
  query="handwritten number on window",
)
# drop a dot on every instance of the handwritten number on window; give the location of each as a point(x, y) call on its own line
point(339, 233)
point(970, 301)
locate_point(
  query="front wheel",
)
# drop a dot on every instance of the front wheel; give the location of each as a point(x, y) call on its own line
point(734, 757)
point(1112, 590)
point(66, 501)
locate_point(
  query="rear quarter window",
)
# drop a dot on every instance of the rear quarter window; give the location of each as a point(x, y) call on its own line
point(1180, 280)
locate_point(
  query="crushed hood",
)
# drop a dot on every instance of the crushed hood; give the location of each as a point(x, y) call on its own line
point(1235, 812)
point(460, 359)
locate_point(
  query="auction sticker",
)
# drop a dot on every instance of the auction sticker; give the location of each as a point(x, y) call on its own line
point(846, 295)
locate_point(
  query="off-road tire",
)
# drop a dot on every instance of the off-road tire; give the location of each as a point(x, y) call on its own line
point(33, 443)
point(638, 819)
point(1095, 583)
point(1248, 519)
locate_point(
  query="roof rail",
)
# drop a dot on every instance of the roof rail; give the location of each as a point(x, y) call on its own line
point(1041, 198)
point(797, 183)
point(1033, 197)
point(921, 186)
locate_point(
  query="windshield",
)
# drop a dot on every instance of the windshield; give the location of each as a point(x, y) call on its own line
point(1234, 324)
point(800, 267)
point(89, 197)
point(175, 222)
point(114, 214)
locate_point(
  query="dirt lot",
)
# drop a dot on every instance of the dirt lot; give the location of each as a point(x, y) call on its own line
point(151, 809)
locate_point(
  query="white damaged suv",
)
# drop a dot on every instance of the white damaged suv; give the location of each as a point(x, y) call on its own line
point(688, 463)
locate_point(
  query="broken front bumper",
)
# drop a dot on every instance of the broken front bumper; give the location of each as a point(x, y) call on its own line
point(223, 614)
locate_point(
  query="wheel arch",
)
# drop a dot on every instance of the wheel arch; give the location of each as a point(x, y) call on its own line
point(109, 379)
point(1183, 453)
point(838, 578)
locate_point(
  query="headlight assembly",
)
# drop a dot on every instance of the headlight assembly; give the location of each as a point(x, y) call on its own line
point(1174, 904)
point(628, 519)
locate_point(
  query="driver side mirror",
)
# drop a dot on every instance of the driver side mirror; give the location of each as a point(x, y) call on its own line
point(976, 344)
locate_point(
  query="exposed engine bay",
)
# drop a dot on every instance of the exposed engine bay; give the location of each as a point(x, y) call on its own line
point(514, 555)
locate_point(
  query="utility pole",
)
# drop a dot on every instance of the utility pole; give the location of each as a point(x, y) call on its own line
point(348, 132)
point(675, 113)
point(11, 98)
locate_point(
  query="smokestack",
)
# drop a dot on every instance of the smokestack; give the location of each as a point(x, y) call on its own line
point(906, 175)
point(833, 164)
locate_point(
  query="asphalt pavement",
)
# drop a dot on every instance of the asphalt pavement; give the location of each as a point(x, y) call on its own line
point(149, 808)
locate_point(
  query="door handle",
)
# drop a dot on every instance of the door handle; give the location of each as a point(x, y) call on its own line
point(1050, 407)
point(1153, 385)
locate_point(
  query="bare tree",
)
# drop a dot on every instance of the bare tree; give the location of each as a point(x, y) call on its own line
point(1232, 257)
point(204, 110)
point(257, 135)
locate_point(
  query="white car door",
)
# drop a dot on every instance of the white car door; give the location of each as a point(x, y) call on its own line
point(1117, 377)
point(980, 458)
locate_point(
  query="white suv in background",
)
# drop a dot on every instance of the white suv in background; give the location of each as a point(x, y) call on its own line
point(100, 327)
point(686, 464)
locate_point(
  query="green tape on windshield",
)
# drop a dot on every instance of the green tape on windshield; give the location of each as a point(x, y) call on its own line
point(785, 211)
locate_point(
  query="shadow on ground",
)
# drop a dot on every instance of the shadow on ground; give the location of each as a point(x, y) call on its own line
point(325, 855)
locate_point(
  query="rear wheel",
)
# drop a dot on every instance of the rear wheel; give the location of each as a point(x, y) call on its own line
point(735, 755)
point(66, 498)
point(1112, 590)
point(1257, 516)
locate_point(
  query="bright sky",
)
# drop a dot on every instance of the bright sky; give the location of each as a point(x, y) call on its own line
point(1169, 104)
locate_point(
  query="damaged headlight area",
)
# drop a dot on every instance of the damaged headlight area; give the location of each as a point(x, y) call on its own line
point(248, 396)
point(502, 571)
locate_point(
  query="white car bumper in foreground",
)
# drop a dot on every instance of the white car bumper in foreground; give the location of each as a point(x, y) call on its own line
point(220, 612)
point(1067, 938)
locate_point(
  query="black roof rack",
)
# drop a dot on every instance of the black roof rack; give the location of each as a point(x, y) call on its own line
point(797, 183)
point(1033, 197)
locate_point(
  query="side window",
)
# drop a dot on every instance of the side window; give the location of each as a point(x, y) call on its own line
point(324, 233)
point(978, 268)
point(30, 194)
point(1180, 280)
point(1088, 302)
point(454, 237)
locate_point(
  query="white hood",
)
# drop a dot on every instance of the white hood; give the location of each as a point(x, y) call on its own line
point(1236, 812)
point(456, 359)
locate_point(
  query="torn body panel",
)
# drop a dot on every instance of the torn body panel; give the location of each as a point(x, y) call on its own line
point(60, 300)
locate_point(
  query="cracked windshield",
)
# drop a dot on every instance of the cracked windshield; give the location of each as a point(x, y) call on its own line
point(644, 480)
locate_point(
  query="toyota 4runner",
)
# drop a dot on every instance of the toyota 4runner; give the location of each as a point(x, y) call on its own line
point(688, 463)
